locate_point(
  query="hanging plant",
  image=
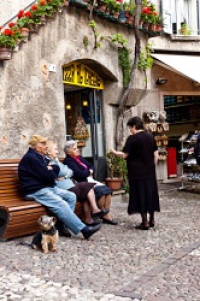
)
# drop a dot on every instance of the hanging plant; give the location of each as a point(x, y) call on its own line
point(146, 61)
point(125, 63)
point(97, 37)
point(123, 57)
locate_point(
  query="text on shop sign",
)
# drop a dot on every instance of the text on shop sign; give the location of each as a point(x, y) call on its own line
point(80, 75)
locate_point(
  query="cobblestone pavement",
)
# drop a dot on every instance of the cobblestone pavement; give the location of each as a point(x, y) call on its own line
point(118, 263)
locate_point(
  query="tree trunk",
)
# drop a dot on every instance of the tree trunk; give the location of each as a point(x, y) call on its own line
point(124, 98)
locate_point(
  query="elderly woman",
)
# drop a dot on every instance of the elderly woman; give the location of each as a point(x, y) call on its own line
point(83, 172)
point(84, 191)
point(141, 153)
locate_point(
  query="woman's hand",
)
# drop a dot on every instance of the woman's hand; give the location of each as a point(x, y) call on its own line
point(118, 153)
point(91, 172)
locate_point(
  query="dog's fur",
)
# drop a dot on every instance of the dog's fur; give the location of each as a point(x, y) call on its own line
point(47, 238)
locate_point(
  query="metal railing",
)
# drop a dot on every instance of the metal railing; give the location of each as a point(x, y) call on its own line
point(15, 16)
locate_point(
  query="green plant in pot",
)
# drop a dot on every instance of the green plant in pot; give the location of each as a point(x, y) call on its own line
point(185, 29)
point(116, 7)
point(24, 19)
point(7, 39)
point(117, 172)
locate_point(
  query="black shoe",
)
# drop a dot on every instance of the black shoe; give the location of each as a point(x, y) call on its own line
point(64, 232)
point(100, 214)
point(142, 227)
point(95, 222)
point(90, 230)
point(151, 225)
point(109, 221)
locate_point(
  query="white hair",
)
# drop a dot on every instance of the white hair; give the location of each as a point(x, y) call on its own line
point(69, 144)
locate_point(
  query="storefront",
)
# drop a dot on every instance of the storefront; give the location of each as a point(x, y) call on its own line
point(176, 81)
point(84, 113)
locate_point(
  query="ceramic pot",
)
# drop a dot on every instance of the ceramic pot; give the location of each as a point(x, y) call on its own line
point(5, 53)
point(25, 32)
point(114, 183)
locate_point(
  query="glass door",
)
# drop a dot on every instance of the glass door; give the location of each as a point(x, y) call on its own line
point(87, 103)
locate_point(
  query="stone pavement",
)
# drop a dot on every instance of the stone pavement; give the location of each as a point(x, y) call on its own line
point(118, 263)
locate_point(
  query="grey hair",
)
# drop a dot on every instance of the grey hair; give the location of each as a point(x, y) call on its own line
point(69, 144)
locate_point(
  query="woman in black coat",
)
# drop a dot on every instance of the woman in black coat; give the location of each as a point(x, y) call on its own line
point(84, 172)
point(141, 153)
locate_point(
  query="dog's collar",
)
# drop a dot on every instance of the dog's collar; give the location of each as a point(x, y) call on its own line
point(51, 231)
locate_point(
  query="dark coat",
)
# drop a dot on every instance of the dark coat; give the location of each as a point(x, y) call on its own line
point(33, 172)
point(80, 173)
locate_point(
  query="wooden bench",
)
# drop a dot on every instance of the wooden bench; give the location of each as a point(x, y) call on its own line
point(18, 217)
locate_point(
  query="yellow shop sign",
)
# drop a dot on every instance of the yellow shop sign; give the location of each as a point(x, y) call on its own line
point(80, 75)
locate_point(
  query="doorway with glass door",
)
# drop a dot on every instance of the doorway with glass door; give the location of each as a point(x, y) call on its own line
point(85, 124)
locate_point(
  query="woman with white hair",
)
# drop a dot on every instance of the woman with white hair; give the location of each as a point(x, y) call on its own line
point(83, 171)
point(83, 191)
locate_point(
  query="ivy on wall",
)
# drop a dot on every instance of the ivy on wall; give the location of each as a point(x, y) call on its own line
point(123, 51)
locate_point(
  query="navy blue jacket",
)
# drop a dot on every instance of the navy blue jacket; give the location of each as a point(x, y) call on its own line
point(80, 173)
point(33, 172)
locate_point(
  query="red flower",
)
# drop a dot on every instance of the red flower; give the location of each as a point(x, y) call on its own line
point(28, 14)
point(145, 10)
point(11, 24)
point(34, 7)
point(20, 14)
point(154, 13)
point(43, 2)
point(8, 32)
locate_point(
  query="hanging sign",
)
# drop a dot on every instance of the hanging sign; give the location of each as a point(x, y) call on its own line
point(80, 75)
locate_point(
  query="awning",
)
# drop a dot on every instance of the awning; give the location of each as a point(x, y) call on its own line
point(185, 65)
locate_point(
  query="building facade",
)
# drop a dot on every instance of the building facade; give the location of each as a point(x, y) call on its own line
point(39, 92)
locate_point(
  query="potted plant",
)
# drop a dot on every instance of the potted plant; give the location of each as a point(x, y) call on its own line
point(7, 43)
point(185, 29)
point(101, 5)
point(43, 9)
point(159, 23)
point(117, 171)
point(25, 22)
point(116, 7)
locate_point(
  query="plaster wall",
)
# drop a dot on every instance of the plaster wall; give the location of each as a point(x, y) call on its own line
point(175, 42)
point(9, 8)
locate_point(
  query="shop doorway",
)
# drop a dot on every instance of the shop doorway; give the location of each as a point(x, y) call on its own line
point(87, 104)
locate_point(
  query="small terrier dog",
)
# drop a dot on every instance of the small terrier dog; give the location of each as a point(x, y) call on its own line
point(47, 238)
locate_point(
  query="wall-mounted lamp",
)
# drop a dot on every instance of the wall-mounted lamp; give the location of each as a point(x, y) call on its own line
point(85, 103)
point(68, 106)
point(161, 81)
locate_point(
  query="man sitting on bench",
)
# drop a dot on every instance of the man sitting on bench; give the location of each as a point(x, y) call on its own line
point(37, 180)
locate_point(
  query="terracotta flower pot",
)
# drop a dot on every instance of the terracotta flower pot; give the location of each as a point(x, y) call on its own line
point(66, 3)
point(43, 20)
point(102, 7)
point(25, 32)
point(115, 14)
point(152, 27)
point(114, 183)
point(5, 53)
